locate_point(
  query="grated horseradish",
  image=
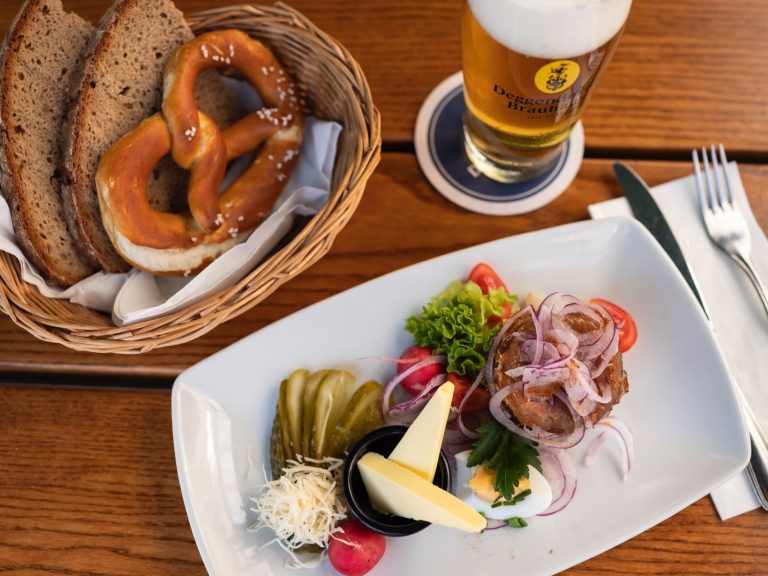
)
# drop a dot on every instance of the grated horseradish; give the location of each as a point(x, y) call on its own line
point(303, 506)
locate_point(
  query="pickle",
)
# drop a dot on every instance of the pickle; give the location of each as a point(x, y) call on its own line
point(310, 393)
point(362, 414)
point(332, 396)
point(276, 454)
point(294, 401)
point(282, 414)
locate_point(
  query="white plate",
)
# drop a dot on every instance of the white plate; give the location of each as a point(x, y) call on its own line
point(689, 435)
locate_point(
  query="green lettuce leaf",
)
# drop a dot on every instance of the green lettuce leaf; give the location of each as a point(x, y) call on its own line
point(455, 323)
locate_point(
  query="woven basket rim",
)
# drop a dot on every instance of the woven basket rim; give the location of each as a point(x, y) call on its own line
point(82, 329)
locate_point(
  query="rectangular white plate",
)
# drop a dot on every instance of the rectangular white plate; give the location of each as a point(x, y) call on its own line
point(689, 435)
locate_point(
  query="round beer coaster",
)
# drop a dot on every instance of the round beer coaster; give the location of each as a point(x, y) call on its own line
point(439, 141)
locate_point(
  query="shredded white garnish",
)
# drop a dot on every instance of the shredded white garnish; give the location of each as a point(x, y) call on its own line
point(303, 506)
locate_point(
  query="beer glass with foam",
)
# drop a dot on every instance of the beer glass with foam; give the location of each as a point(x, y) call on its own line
point(529, 68)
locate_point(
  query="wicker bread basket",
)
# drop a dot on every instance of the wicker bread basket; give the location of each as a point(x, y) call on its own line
point(335, 89)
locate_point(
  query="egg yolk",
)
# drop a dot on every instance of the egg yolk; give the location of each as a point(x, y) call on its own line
point(482, 484)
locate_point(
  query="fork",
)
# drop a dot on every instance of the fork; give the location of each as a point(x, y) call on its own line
point(723, 218)
point(727, 228)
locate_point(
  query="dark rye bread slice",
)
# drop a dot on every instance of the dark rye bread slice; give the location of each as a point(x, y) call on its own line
point(40, 54)
point(121, 84)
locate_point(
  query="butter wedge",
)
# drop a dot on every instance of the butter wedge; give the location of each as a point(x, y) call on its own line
point(394, 489)
point(419, 448)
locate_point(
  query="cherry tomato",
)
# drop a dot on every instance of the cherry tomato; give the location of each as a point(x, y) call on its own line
point(414, 383)
point(624, 321)
point(475, 403)
point(485, 277)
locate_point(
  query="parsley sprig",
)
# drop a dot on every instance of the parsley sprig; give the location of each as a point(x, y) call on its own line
point(506, 454)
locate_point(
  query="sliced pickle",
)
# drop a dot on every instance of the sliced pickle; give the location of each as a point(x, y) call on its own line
point(294, 400)
point(332, 396)
point(282, 412)
point(362, 414)
point(276, 454)
point(308, 412)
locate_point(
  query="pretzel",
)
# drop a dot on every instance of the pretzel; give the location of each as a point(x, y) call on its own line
point(166, 243)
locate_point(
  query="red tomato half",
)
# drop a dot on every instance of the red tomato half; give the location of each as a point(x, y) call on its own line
point(625, 322)
point(475, 403)
point(485, 277)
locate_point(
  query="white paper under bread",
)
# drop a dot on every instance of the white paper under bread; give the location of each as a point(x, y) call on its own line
point(137, 296)
point(738, 319)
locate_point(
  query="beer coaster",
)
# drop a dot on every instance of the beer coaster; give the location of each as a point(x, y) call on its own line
point(439, 141)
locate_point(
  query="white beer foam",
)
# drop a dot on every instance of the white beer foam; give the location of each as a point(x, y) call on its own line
point(551, 29)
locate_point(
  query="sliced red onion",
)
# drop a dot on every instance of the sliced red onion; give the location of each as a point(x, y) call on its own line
point(495, 344)
point(536, 434)
point(593, 449)
point(560, 473)
point(392, 384)
point(464, 430)
point(492, 524)
point(421, 398)
point(619, 430)
point(604, 340)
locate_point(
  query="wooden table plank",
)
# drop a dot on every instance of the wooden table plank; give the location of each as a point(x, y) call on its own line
point(686, 73)
point(88, 485)
point(401, 220)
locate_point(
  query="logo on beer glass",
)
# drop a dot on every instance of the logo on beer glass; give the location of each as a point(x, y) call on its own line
point(556, 76)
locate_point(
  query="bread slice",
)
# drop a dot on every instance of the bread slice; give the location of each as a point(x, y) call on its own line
point(121, 84)
point(40, 54)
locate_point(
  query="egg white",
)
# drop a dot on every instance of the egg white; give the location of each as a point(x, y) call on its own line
point(536, 502)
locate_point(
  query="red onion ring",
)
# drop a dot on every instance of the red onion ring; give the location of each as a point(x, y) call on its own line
point(492, 524)
point(535, 434)
point(464, 430)
point(495, 343)
point(392, 384)
point(560, 473)
point(619, 430)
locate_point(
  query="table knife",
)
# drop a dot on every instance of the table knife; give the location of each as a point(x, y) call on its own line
point(647, 212)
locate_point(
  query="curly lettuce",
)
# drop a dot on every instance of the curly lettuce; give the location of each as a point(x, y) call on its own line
point(456, 323)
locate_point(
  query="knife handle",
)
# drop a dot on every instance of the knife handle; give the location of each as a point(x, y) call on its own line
point(757, 470)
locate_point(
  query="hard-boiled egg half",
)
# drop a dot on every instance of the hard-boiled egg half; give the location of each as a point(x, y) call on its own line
point(475, 487)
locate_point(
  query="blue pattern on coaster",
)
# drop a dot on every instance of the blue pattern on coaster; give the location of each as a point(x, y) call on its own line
point(446, 147)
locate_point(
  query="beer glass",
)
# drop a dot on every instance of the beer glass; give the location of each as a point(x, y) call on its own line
point(529, 68)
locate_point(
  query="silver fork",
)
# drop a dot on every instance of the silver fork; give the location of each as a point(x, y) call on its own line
point(727, 228)
point(723, 218)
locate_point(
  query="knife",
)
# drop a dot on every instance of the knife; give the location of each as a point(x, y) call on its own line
point(647, 212)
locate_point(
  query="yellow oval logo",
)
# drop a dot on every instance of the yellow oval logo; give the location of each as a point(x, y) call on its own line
point(557, 76)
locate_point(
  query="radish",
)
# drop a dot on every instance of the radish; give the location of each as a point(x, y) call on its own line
point(356, 550)
point(415, 383)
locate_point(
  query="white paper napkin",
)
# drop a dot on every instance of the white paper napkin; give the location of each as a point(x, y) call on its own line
point(738, 319)
point(137, 296)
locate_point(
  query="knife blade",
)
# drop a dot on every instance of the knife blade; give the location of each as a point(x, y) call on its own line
point(647, 212)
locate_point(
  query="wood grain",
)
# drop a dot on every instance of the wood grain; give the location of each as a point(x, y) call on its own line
point(686, 73)
point(88, 486)
point(401, 220)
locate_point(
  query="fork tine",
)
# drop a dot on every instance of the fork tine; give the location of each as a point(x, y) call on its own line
point(724, 163)
point(699, 182)
point(718, 177)
point(708, 179)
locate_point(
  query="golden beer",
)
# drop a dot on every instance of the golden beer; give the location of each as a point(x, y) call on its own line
point(528, 73)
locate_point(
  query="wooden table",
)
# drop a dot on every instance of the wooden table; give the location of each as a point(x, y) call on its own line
point(88, 480)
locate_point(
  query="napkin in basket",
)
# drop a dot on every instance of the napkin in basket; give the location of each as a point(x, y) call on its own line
point(738, 319)
point(136, 296)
